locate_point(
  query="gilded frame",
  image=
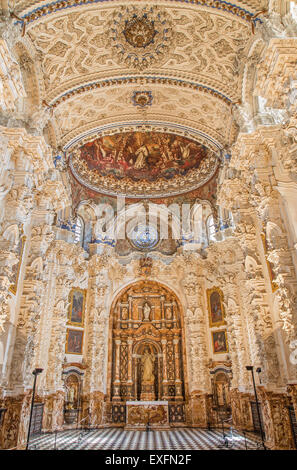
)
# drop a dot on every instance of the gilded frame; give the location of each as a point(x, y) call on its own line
point(83, 292)
point(67, 339)
point(13, 288)
point(274, 285)
point(226, 342)
point(221, 295)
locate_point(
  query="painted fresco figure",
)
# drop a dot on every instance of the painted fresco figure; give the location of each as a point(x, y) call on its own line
point(220, 344)
point(77, 307)
point(216, 311)
point(141, 154)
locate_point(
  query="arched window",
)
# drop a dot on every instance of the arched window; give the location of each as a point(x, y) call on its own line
point(211, 229)
point(79, 230)
point(1, 353)
point(231, 219)
point(293, 10)
point(86, 213)
point(224, 219)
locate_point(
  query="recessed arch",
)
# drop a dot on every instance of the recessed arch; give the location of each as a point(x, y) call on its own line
point(146, 315)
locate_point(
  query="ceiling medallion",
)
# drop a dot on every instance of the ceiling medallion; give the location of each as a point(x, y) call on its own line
point(140, 36)
point(142, 98)
point(140, 32)
point(143, 164)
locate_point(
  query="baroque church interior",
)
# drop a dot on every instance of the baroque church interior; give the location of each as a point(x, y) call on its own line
point(148, 217)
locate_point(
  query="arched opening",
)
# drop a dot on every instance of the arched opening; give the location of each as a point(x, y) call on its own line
point(147, 371)
point(221, 390)
point(211, 229)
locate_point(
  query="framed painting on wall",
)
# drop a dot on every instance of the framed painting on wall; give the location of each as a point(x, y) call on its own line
point(16, 268)
point(77, 307)
point(74, 341)
point(215, 307)
point(219, 341)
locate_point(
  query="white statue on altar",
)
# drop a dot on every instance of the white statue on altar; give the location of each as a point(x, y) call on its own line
point(71, 397)
point(146, 311)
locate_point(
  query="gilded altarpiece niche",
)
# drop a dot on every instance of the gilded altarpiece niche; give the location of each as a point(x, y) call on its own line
point(146, 355)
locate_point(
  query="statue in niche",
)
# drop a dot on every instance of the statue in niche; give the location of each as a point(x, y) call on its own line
point(146, 311)
point(124, 313)
point(221, 390)
point(71, 396)
point(221, 394)
point(148, 360)
point(168, 313)
point(72, 392)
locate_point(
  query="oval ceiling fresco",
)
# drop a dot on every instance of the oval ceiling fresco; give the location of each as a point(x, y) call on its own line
point(143, 164)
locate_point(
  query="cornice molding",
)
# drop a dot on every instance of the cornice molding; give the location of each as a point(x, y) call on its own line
point(32, 15)
point(154, 80)
point(112, 128)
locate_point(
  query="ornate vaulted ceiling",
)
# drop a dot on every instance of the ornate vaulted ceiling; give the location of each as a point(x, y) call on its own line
point(116, 67)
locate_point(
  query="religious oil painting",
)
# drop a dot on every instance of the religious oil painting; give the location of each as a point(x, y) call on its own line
point(77, 307)
point(16, 267)
point(219, 342)
point(140, 155)
point(74, 341)
point(215, 307)
point(143, 163)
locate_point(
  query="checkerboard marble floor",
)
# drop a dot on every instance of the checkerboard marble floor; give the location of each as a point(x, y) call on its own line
point(118, 439)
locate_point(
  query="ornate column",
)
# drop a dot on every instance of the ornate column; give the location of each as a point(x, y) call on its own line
point(130, 380)
point(130, 311)
point(178, 384)
point(164, 358)
point(66, 272)
point(97, 336)
point(279, 255)
point(240, 401)
point(260, 324)
point(11, 82)
point(268, 273)
point(162, 310)
point(276, 171)
point(30, 211)
point(116, 384)
point(276, 420)
point(54, 400)
point(198, 358)
point(7, 260)
point(292, 391)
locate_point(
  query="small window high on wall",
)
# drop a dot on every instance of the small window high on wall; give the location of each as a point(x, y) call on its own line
point(79, 231)
point(211, 229)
